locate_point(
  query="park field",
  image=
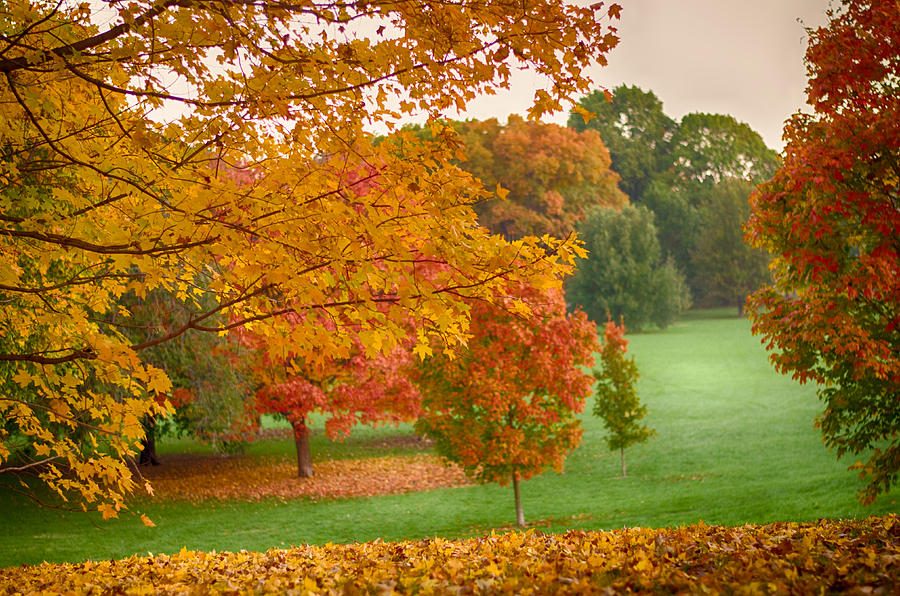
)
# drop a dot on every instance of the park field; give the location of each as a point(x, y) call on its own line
point(735, 445)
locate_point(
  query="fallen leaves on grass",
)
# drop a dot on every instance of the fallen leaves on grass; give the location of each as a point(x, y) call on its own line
point(831, 556)
point(199, 478)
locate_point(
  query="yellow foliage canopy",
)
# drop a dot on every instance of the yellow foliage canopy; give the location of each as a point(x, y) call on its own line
point(266, 192)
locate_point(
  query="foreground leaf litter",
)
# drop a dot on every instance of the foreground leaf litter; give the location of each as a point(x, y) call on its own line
point(860, 557)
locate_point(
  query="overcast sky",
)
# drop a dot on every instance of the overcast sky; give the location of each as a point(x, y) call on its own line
point(737, 57)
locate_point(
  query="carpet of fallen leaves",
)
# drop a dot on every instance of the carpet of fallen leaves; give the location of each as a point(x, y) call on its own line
point(200, 478)
point(857, 557)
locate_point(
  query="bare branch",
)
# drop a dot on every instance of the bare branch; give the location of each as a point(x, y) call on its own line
point(28, 466)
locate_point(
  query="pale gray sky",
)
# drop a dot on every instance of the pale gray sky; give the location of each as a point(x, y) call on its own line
point(737, 57)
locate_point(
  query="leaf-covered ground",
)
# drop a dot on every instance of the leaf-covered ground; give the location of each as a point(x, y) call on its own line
point(199, 478)
point(858, 557)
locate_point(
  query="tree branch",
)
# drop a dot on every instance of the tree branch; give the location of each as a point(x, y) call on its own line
point(83, 354)
point(71, 282)
point(12, 64)
point(34, 464)
point(110, 249)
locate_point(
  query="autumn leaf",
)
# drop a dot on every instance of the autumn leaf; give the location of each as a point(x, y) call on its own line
point(422, 351)
point(108, 511)
point(586, 115)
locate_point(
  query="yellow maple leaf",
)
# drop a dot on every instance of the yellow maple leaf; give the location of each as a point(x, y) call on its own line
point(586, 115)
point(423, 350)
point(107, 510)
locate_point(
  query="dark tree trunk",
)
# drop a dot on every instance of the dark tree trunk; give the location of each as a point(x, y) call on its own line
point(520, 515)
point(740, 308)
point(304, 456)
point(148, 451)
point(622, 453)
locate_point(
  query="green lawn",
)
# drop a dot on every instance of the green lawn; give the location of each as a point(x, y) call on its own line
point(736, 444)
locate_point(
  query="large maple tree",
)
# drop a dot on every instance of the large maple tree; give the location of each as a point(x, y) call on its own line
point(831, 217)
point(505, 407)
point(120, 126)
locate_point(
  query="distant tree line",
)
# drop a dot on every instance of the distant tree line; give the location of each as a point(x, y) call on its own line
point(696, 177)
point(659, 203)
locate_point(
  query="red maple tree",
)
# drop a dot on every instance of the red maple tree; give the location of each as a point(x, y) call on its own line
point(831, 217)
point(504, 408)
point(358, 387)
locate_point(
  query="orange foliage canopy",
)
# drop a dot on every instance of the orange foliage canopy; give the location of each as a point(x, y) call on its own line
point(553, 174)
point(353, 390)
point(362, 385)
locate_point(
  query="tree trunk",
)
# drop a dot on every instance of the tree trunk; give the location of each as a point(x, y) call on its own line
point(520, 516)
point(148, 449)
point(741, 308)
point(304, 456)
point(622, 452)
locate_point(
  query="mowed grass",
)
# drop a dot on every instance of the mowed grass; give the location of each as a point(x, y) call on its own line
point(736, 444)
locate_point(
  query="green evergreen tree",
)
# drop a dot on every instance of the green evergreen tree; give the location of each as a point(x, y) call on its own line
point(617, 402)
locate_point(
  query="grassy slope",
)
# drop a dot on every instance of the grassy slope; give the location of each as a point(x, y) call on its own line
point(735, 445)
